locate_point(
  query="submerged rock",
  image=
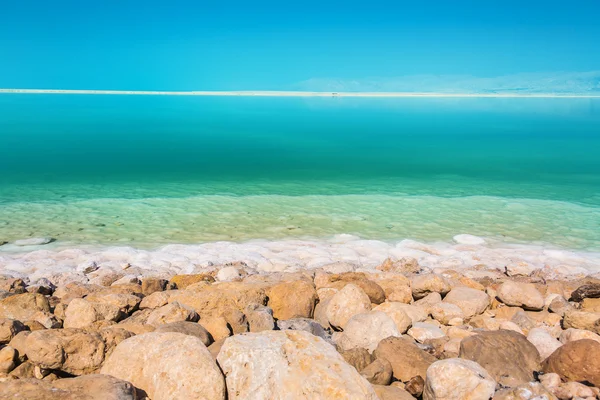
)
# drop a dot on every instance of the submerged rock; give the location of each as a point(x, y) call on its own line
point(34, 241)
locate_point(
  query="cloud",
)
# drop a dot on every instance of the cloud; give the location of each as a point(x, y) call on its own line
point(557, 82)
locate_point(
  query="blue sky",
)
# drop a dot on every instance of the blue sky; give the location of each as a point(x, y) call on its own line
point(270, 45)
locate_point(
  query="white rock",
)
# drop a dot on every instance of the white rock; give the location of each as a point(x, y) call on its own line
point(228, 274)
point(424, 284)
point(458, 379)
point(288, 365)
point(397, 312)
point(366, 331)
point(33, 241)
point(167, 366)
point(345, 304)
point(543, 341)
point(472, 302)
point(422, 331)
point(468, 239)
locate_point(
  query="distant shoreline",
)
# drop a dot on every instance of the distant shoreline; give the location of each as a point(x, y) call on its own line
point(262, 93)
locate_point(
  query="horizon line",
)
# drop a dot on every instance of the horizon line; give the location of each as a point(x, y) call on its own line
point(277, 93)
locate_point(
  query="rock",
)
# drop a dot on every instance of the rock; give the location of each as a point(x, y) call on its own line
point(544, 342)
point(127, 303)
point(9, 328)
point(217, 327)
point(401, 294)
point(33, 241)
point(260, 318)
point(508, 356)
point(89, 387)
point(468, 239)
point(183, 281)
point(428, 301)
point(8, 359)
point(228, 274)
point(295, 299)
point(582, 320)
point(527, 391)
point(112, 336)
point(511, 326)
point(269, 364)
point(359, 358)
point(422, 331)
point(424, 284)
point(415, 386)
point(366, 330)
point(155, 300)
point(576, 361)
point(215, 348)
point(345, 304)
point(520, 294)
point(304, 324)
point(187, 328)
point(379, 372)
point(23, 307)
point(457, 379)
point(171, 366)
point(25, 370)
point(586, 291)
point(338, 281)
point(153, 285)
point(523, 321)
point(446, 312)
point(550, 380)
point(574, 390)
point(74, 351)
point(406, 358)
point(404, 265)
point(520, 268)
point(172, 312)
point(398, 313)
point(590, 305)
point(571, 335)
point(392, 393)
point(559, 305)
point(472, 302)
point(82, 313)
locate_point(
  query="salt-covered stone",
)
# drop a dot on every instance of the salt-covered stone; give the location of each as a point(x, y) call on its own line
point(366, 330)
point(458, 379)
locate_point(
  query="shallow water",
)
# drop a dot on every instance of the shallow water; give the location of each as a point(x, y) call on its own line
point(154, 170)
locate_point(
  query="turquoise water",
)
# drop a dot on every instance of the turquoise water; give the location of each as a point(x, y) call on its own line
point(149, 170)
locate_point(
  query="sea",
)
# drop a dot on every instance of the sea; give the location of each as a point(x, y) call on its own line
point(146, 171)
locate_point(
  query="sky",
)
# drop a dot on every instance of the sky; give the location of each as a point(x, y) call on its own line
point(283, 45)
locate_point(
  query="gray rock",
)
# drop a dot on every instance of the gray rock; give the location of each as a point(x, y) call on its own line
point(304, 324)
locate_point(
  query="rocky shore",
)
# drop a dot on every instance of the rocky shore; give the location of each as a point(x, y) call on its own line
point(351, 320)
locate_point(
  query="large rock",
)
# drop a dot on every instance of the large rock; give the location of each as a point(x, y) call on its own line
point(576, 361)
point(9, 328)
point(82, 313)
point(508, 356)
point(183, 281)
point(338, 281)
point(543, 341)
point(520, 294)
point(74, 351)
point(8, 359)
point(167, 365)
point(397, 312)
point(471, 301)
point(345, 304)
point(172, 312)
point(406, 358)
point(187, 328)
point(457, 379)
point(288, 365)
point(88, 387)
point(366, 330)
point(295, 299)
point(582, 320)
point(23, 307)
point(422, 285)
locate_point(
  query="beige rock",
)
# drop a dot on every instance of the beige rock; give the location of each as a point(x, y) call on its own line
point(446, 312)
point(427, 302)
point(359, 358)
point(153, 285)
point(571, 335)
point(527, 391)
point(576, 361)
point(406, 358)
point(8, 359)
point(9, 328)
point(187, 328)
point(25, 370)
point(423, 331)
point(471, 301)
point(582, 320)
point(523, 321)
point(74, 351)
point(379, 372)
point(293, 299)
point(288, 365)
point(550, 380)
point(590, 305)
point(396, 311)
point(404, 265)
point(452, 347)
point(112, 336)
point(392, 393)
point(574, 390)
point(457, 379)
point(545, 343)
point(366, 330)
point(172, 312)
point(456, 332)
point(167, 365)
point(345, 304)
point(183, 281)
point(127, 303)
point(415, 313)
point(401, 294)
point(155, 300)
point(260, 318)
point(511, 326)
point(217, 327)
point(81, 313)
point(508, 356)
point(559, 305)
point(89, 387)
point(424, 284)
point(338, 281)
point(520, 294)
point(23, 307)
